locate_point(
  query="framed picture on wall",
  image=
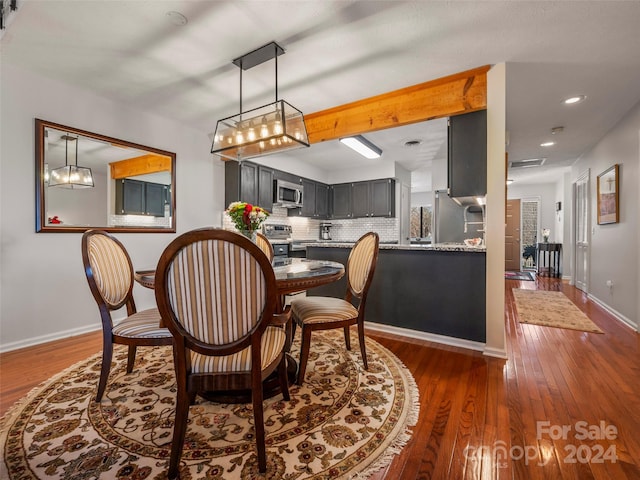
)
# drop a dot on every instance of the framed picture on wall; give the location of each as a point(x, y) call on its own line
point(608, 197)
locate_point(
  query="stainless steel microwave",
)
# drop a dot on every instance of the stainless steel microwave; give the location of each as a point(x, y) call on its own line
point(288, 194)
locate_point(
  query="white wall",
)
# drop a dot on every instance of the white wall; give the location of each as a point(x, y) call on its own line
point(547, 193)
point(614, 247)
point(40, 272)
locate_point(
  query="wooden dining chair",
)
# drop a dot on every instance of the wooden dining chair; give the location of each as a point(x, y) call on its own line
point(109, 272)
point(324, 313)
point(265, 245)
point(217, 293)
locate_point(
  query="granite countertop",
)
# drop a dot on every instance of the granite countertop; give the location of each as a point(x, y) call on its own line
point(439, 247)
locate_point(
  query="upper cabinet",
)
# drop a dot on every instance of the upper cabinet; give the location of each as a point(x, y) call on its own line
point(248, 182)
point(467, 166)
point(315, 200)
point(134, 197)
point(373, 198)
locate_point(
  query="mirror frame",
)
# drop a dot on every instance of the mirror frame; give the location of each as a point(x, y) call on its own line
point(41, 224)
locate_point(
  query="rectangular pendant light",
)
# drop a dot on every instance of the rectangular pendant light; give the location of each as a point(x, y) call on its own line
point(363, 146)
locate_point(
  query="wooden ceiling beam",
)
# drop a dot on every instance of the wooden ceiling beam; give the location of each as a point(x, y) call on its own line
point(453, 95)
point(142, 165)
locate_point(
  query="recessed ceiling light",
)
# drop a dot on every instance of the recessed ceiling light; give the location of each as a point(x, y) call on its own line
point(509, 181)
point(547, 144)
point(574, 99)
point(177, 19)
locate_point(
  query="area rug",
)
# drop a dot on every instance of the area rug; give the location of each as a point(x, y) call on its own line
point(527, 276)
point(551, 309)
point(344, 422)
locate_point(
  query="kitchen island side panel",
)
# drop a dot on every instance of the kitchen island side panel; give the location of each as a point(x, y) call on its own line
point(430, 291)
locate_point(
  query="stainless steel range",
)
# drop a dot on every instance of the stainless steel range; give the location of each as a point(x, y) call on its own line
point(280, 237)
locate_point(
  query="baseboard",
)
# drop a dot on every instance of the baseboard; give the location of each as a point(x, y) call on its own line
point(495, 352)
point(30, 342)
point(617, 315)
point(430, 337)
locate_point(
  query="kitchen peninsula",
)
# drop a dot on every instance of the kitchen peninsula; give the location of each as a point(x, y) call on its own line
point(438, 289)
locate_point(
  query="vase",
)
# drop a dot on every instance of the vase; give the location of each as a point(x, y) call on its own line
point(250, 234)
point(546, 239)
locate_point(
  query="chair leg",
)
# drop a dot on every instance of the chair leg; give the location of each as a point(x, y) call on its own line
point(107, 355)
point(363, 350)
point(258, 420)
point(347, 338)
point(282, 375)
point(131, 358)
point(179, 432)
point(304, 353)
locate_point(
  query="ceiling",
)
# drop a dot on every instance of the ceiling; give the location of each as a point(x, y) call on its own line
point(342, 51)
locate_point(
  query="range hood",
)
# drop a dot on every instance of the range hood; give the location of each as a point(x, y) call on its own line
point(469, 200)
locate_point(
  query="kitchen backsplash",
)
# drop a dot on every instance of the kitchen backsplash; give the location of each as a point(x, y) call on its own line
point(341, 230)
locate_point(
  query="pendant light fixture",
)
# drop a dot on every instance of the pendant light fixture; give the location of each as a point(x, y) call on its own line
point(71, 176)
point(275, 127)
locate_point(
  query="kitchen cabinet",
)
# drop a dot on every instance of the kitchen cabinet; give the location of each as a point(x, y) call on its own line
point(248, 182)
point(373, 198)
point(341, 200)
point(315, 201)
point(135, 197)
point(467, 156)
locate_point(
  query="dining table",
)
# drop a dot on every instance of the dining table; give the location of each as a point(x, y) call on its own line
point(293, 275)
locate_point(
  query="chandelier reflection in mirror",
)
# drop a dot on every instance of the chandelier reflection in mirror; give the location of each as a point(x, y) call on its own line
point(272, 128)
point(71, 176)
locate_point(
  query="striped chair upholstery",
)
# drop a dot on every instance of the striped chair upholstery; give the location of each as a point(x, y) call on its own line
point(323, 313)
point(109, 273)
point(265, 245)
point(216, 291)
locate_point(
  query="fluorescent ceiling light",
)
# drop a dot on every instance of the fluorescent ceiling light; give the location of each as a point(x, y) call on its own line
point(363, 146)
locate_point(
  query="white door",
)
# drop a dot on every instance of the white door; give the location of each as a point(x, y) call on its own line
point(581, 232)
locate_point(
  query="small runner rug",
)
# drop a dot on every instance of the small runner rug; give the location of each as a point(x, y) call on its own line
point(528, 276)
point(551, 309)
point(344, 422)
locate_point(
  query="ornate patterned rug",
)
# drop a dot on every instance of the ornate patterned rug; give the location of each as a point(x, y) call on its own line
point(551, 309)
point(344, 422)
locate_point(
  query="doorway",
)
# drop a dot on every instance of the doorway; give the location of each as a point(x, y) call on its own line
point(512, 236)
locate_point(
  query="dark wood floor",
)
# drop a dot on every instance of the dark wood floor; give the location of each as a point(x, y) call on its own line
point(481, 417)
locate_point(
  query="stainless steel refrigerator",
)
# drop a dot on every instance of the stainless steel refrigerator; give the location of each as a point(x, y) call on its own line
point(449, 220)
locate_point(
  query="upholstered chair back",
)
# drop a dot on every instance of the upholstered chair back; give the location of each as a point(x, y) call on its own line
point(265, 246)
point(217, 291)
point(111, 269)
point(361, 259)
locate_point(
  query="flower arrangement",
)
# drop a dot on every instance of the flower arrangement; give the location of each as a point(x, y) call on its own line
point(545, 234)
point(246, 217)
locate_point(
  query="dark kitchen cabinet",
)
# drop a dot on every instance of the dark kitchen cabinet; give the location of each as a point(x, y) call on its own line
point(265, 187)
point(134, 197)
point(467, 165)
point(374, 198)
point(341, 200)
point(248, 182)
point(315, 200)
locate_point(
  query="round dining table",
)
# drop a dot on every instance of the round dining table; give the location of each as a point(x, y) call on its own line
point(293, 275)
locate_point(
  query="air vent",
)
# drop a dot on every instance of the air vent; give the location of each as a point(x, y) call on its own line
point(412, 143)
point(530, 162)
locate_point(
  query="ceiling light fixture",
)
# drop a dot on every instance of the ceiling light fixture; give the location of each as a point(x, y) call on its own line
point(547, 144)
point(71, 176)
point(574, 99)
point(363, 146)
point(275, 127)
point(509, 181)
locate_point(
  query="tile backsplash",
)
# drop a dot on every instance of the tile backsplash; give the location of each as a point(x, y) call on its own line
point(341, 230)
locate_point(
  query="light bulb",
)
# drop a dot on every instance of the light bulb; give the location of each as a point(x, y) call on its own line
point(264, 131)
point(251, 134)
point(239, 137)
point(261, 145)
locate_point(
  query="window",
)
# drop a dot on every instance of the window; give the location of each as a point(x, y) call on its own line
point(420, 222)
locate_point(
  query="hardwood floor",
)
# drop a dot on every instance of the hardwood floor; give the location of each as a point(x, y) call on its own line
point(481, 417)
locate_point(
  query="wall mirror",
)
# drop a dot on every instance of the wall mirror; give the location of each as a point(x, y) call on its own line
point(86, 180)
